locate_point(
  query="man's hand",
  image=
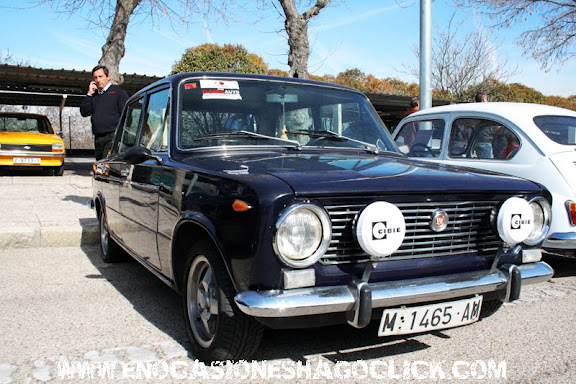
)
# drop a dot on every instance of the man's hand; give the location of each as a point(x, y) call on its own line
point(92, 88)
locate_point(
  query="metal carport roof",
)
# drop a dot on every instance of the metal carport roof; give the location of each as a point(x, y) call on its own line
point(21, 85)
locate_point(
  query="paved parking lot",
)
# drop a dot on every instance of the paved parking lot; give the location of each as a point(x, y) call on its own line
point(68, 317)
point(64, 306)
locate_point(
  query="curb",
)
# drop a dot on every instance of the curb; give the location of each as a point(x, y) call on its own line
point(79, 181)
point(55, 236)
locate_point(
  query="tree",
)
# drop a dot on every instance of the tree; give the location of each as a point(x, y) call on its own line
point(354, 78)
point(216, 58)
point(296, 25)
point(458, 65)
point(551, 39)
point(117, 15)
point(514, 92)
point(113, 49)
point(8, 58)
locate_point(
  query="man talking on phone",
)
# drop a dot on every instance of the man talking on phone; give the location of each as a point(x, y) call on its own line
point(104, 101)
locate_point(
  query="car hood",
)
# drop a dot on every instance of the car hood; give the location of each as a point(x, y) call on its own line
point(28, 138)
point(358, 173)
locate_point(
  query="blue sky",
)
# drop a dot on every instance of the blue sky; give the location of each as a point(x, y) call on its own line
point(376, 36)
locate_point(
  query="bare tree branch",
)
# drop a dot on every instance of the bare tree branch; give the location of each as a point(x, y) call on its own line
point(117, 14)
point(551, 40)
point(458, 64)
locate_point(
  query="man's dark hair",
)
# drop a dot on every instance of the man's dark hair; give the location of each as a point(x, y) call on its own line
point(103, 67)
point(414, 102)
point(480, 96)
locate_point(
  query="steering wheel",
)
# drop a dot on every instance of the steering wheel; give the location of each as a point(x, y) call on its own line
point(420, 150)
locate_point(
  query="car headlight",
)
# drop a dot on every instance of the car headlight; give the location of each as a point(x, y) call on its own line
point(303, 234)
point(541, 209)
point(57, 146)
point(515, 221)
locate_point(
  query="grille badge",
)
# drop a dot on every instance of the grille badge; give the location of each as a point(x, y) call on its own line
point(439, 220)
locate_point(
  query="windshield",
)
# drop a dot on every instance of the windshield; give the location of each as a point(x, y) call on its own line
point(19, 123)
point(561, 129)
point(216, 112)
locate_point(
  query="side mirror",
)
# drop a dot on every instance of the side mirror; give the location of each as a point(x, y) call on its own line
point(137, 155)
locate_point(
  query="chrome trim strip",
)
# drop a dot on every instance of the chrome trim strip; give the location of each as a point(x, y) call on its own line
point(322, 300)
point(32, 154)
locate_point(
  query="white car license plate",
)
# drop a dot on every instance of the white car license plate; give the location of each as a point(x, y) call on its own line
point(26, 160)
point(402, 321)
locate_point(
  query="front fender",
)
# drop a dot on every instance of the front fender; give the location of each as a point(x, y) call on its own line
point(192, 228)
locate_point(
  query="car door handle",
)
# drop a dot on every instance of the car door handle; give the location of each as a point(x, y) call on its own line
point(165, 189)
point(125, 171)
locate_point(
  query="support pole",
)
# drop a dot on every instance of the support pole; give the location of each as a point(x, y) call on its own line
point(62, 102)
point(425, 53)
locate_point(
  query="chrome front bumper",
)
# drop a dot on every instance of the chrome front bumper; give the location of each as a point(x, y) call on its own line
point(563, 240)
point(31, 154)
point(322, 300)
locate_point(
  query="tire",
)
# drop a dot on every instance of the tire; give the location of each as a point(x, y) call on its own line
point(111, 251)
point(59, 171)
point(217, 329)
point(489, 307)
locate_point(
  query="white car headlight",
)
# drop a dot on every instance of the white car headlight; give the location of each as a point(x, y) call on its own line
point(515, 221)
point(303, 234)
point(542, 214)
point(57, 146)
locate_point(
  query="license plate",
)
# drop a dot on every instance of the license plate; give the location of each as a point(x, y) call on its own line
point(406, 320)
point(26, 160)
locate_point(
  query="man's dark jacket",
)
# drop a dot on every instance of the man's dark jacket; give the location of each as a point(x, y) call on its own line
point(105, 109)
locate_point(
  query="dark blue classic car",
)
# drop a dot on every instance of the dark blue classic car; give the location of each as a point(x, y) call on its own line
point(278, 202)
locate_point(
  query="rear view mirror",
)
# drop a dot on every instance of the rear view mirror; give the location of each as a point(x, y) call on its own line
point(277, 98)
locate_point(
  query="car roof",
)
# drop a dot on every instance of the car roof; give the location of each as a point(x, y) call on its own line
point(519, 114)
point(510, 111)
point(177, 78)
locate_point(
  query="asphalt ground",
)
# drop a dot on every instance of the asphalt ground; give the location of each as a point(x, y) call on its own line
point(41, 210)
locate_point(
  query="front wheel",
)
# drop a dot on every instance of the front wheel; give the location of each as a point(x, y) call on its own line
point(216, 327)
point(59, 171)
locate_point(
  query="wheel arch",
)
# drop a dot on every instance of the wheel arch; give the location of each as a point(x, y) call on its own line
point(187, 234)
point(98, 205)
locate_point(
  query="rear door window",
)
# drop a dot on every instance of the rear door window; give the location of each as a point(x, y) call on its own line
point(476, 138)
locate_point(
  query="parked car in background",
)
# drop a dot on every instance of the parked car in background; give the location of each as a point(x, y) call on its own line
point(29, 140)
point(280, 202)
point(534, 141)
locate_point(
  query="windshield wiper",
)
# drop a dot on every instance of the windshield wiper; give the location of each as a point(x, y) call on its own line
point(227, 135)
point(331, 135)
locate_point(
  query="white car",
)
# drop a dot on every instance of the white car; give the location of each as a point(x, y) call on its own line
point(533, 141)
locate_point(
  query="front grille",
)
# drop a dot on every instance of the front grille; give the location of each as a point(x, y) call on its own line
point(27, 147)
point(469, 230)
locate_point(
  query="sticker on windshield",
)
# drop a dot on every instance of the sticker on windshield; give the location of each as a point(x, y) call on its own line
point(220, 89)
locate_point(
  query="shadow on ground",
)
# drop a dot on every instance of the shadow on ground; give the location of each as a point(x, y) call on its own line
point(162, 307)
point(563, 266)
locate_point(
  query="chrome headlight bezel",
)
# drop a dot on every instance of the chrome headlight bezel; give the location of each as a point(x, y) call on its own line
point(318, 250)
point(538, 234)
